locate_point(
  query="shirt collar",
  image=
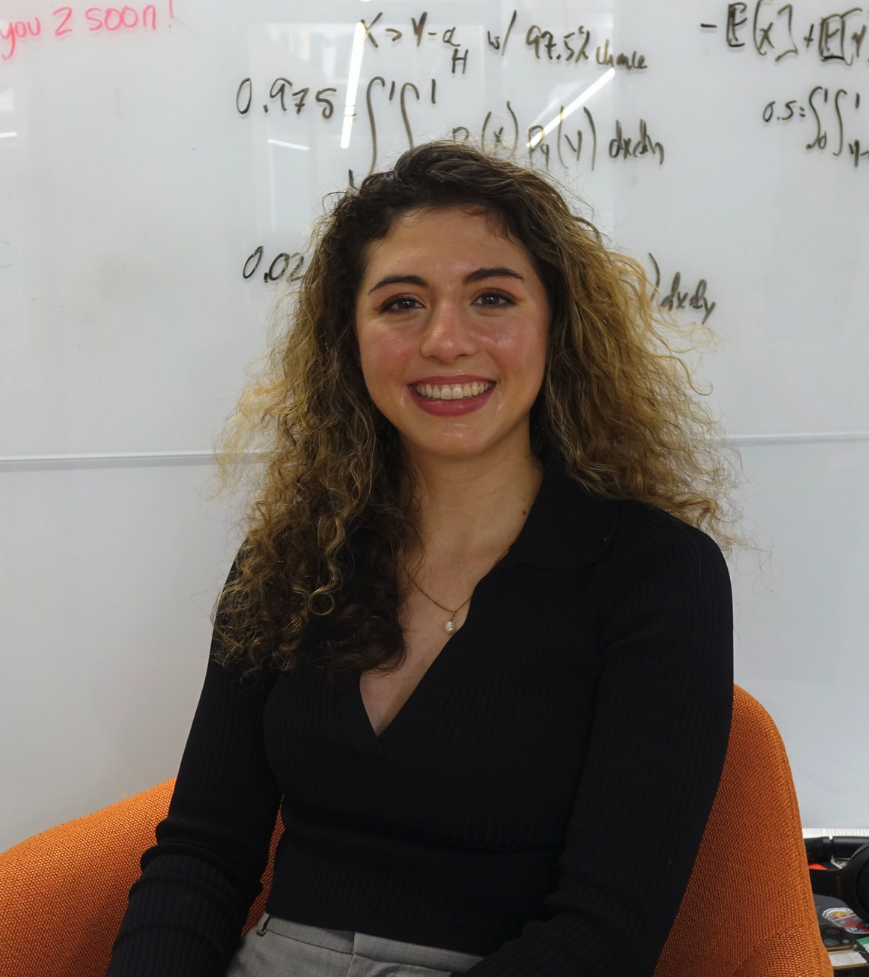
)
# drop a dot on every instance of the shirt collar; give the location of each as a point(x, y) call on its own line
point(567, 526)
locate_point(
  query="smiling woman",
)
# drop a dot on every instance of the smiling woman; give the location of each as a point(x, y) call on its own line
point(476, 645)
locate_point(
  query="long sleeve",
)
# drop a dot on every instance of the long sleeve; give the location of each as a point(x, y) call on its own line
point(656, 750)
point(186, 911)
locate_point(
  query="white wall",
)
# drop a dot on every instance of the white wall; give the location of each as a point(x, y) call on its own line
point(132, 190)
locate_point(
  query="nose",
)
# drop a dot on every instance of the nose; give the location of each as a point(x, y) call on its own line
point(448, 333)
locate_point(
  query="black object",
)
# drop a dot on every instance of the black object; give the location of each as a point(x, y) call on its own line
point(834, 918)
point(851, 883)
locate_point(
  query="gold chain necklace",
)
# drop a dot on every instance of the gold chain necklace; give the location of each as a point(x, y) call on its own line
point(450, 626)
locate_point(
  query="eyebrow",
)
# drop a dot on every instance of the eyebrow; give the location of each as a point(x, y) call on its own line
point(474, 276)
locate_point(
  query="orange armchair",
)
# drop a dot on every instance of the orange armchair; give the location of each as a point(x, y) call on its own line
point(747, 911)
point(63, 892)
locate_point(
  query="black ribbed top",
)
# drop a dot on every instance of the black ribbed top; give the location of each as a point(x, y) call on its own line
point(539, 799)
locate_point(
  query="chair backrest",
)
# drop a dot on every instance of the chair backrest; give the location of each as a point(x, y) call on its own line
point(748, 909)
point(747, 912)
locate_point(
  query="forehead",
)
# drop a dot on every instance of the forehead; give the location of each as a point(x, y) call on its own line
point(426, 231)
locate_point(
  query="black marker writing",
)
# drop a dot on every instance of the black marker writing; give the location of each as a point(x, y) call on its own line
point(604, 56)
point(677, 299)
point(624, 147)
point(832, 36)
point(574, 46)
point(830, 114)
point(278, 268)
point(404, 118)
point(498, 134)
point(419, 28)
point(281, 93)
point(371, 119)
point(495, 42)
point(368, 27)
point(768, 29)
point(583, 39)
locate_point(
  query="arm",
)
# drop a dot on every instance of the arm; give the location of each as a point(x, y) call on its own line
point(187, 909)
point(661, 725)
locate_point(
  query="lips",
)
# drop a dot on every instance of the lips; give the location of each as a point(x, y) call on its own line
point(456, 396)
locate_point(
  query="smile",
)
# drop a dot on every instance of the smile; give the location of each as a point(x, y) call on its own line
point(452, 391)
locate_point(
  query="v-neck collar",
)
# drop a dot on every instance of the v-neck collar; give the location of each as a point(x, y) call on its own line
point(567, 527)
point(411, 720)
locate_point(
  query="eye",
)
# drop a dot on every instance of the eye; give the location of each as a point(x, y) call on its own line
point(492, 299)
point(399, 303)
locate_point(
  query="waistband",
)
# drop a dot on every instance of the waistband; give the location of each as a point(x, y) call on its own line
point(377, 948)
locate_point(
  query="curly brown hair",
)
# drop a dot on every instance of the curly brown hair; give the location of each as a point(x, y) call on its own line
point(617, 412)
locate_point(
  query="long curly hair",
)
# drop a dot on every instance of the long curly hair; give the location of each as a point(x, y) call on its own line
point(316, 576)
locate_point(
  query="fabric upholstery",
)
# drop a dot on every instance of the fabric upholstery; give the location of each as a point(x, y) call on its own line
point(748, 909)
point(747, 912)
point(63, 892)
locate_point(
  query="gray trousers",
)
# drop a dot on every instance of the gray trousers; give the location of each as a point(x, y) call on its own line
point(277, 948)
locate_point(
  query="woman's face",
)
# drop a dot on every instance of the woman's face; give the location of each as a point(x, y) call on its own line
point(452, 322)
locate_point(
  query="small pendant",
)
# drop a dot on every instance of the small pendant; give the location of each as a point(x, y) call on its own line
point(449, 627)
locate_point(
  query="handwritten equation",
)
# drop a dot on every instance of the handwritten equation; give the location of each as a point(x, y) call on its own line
point(836, 38)
point(573, 46)
point(769, 29)
point(64, 21)
point(387, 103)
point(565, 141)
point(828, 114)
point(676, 298)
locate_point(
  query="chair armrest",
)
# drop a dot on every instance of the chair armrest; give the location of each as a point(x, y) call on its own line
point(63, 892)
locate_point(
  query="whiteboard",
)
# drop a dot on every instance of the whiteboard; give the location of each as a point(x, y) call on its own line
point(160, 166)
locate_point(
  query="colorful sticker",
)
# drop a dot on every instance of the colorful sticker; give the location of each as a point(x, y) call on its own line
point(844, 918)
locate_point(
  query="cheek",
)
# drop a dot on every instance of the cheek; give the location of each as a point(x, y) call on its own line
point(534, 353)
point(383, 357)
point(524, 345)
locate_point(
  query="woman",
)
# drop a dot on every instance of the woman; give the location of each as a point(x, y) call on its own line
point(475, 643)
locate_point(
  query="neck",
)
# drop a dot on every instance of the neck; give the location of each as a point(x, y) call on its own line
point(472, 509)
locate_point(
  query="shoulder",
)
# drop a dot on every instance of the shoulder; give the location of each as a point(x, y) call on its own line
point(648, 535)
point(618, 528)
point(663, 569)
point(642, 529)
point(570, 527)
point(635, 546)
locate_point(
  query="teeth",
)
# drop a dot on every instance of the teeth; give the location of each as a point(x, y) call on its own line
point(452, 391)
